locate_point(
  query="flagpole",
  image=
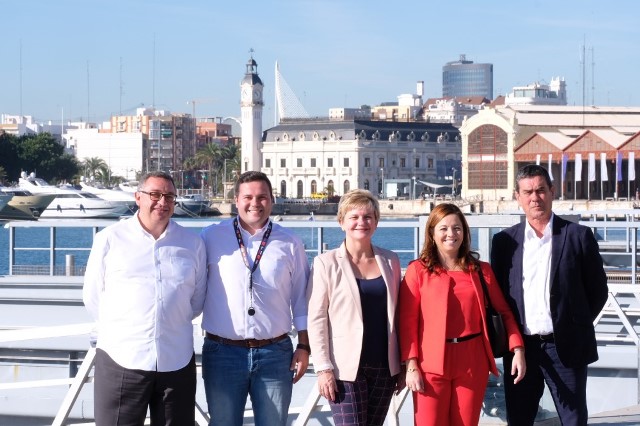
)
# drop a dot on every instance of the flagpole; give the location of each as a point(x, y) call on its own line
point(617, 165)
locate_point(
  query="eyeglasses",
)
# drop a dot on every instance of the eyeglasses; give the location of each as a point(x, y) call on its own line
point(156, 196)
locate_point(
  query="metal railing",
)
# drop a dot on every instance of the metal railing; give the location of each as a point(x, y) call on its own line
point(618, 324)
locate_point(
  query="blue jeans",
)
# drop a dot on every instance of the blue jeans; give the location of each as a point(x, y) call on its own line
point(230, 373)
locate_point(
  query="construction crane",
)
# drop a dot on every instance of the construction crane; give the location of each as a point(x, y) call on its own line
point(193, 103)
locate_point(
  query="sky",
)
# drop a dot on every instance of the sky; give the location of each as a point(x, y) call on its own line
point(85, 60)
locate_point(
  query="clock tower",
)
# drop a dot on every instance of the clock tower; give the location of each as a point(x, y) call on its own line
point(251, 108)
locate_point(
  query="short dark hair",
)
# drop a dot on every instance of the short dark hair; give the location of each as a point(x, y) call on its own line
point(156, 174)
point(252, 176)
point(532, 170)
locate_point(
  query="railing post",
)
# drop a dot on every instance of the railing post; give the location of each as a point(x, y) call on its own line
point(69, 265)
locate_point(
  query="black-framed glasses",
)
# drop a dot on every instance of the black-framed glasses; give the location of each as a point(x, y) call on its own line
point(156, 196)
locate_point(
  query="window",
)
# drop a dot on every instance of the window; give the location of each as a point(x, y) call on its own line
point(366, 184)
point(299, 187)
point(367, 162)
point(283, 188)
point(313, 162)
point(347, 186)
point(267, 162)
point(329, 162)
point(403, 162)
point(314, 187)
point(380, 162)
point(429, 163)
point(283, 162)
point(298, 162)
point(417, 163)
point(345, 162)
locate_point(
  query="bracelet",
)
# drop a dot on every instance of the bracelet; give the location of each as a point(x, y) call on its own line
point(304, 347)
point(411, 370)
point(518, 349)
point(321, 372)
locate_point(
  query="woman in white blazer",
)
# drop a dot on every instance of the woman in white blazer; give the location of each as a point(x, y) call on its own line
point(352, 294)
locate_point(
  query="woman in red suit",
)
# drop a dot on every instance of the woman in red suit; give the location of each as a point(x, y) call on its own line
point(441, 313)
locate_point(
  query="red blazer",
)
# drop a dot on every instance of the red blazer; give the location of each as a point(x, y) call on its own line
point(422, 315)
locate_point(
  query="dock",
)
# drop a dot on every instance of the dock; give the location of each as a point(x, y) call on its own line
point(45, 334)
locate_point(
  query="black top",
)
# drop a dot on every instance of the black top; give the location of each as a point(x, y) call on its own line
point(373, 296)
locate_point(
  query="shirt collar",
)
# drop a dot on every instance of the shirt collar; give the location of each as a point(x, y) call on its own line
point(530, 233)
point(259, 233)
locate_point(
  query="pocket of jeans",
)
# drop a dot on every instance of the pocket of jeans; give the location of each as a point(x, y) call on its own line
point(210, 346)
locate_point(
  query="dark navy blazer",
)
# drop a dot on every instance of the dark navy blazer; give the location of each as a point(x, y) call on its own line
point(578, 285)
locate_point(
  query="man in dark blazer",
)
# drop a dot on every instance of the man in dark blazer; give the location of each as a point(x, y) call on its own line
point(552, 275)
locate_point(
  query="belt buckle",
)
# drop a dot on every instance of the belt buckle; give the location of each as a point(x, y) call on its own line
point(252, 343)
point(455, 340)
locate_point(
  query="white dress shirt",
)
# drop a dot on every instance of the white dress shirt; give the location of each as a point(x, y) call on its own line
point(145, 293)
point(279, 287)
point(536, 269)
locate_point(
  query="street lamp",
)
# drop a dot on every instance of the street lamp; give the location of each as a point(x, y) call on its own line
point(382, 181)
point(413, 192)
point(453, 185)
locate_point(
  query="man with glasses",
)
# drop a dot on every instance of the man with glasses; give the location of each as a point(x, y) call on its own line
point(144, 284)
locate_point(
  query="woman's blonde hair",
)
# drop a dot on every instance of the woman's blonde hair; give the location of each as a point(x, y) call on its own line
point(358, 198)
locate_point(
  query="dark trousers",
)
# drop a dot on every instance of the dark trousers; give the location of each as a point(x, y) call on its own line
point(364, 402)
point(568, 386)
point(122, 396)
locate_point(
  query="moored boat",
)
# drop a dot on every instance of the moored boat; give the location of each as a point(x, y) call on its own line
point(24, 205)
point(71, 203)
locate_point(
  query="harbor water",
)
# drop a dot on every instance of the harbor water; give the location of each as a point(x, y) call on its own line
point(77, 241)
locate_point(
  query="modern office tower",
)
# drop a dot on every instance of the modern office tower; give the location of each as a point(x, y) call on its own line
point(464, 78)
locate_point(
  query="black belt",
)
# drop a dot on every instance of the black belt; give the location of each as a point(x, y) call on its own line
point(544, 337)
point(463, 338)
point(247, 343)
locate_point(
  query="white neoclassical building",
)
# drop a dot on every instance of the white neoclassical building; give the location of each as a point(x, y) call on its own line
point(305, 157)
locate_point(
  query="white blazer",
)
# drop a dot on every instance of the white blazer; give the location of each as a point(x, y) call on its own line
point(335, 312)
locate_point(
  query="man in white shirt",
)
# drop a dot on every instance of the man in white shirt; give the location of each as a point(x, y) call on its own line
point(256, 292)
point(553, 277)
point(144, 284)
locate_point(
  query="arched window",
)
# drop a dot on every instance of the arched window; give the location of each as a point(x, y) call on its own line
point(283, 188)
point(314, 187)
point(330, 189)
point(299, 185)
point(347, 186)
point(488, 142)
point(366, 184)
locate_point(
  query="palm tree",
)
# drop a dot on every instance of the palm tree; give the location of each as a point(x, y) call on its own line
point(95, 168)
point(210, 156)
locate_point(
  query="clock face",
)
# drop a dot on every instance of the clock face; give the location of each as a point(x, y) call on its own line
point(257, 95)
point(245, 95)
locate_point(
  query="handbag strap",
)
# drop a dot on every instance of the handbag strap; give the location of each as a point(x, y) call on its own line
point(484, 288)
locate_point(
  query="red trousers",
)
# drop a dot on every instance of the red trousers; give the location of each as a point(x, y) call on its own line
point(454, 398)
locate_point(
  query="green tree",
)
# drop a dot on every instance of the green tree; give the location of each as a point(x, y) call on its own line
point(9, 159)
point(209, 157)
point(43, 154)
point(95, 168)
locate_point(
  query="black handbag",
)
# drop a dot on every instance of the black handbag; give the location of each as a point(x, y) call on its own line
point(495, 326)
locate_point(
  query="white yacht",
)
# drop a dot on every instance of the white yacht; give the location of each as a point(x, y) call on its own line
point(115, 195)
point(24, 205)
point(71, 203)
